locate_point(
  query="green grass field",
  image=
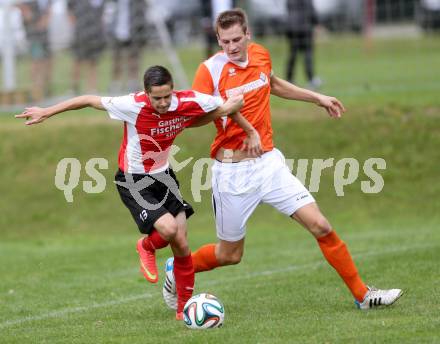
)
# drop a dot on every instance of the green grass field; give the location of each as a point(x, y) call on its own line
point(69, 271)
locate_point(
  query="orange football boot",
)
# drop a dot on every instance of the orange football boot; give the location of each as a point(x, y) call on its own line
point(147, 259)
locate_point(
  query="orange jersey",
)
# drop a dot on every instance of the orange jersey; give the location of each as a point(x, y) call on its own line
point(219, 76)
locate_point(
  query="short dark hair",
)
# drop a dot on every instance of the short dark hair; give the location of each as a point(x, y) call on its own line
point(157, 76)
point(229, 18)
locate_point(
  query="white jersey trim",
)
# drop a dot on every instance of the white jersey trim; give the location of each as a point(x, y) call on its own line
point(215, 65)
point(122, 108)
point(133, 153)
point(248, 87)
point(174, 103)
point(205, 101)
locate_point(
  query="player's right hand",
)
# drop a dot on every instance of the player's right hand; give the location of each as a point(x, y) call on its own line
point(35, 114)
point(333, 106)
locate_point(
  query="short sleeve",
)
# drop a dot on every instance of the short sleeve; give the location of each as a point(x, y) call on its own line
point(207, 102)
point(199, 104)
point(123, 108)
point(203, 80)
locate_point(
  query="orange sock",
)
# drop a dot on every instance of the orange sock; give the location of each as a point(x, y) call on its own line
point(336, 253)
point(204, 258)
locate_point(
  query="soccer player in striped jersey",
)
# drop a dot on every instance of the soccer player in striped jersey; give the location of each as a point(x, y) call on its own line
point(147, 185)
point(241, 181)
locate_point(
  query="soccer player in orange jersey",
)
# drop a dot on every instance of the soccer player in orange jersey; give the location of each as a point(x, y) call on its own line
point(241, 181)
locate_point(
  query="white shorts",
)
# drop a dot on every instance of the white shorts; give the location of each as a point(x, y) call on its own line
point(238, 188)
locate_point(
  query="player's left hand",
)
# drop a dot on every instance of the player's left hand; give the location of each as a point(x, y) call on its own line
point(252, 145)
point(332, 105)
point(36, 115)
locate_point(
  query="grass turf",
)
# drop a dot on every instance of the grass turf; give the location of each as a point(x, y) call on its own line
point(69, 270)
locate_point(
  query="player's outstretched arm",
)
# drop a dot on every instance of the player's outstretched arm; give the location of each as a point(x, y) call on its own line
point(286, 90)
point(36, 114)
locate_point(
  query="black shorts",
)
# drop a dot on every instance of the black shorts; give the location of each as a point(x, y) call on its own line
point(160, 195)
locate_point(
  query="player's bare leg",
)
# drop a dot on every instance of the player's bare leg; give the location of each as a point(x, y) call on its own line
point(228, 252)
point(313, 220)
point(223, 253)
point(336, 253)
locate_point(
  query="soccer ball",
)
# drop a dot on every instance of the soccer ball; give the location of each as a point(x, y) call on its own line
point(203, 311)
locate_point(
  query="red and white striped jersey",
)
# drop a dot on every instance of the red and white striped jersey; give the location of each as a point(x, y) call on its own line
point(148, 136)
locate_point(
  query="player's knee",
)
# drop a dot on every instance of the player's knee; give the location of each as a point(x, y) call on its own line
point(180, 243)
point(235, 258)
point(229, 258)
point(169, 231)
point(180, 247)
point(320, 227)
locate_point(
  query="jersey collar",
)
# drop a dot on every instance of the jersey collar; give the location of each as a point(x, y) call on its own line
point(241, 64)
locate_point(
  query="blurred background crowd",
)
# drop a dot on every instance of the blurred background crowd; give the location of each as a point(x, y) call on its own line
point(77, 33)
